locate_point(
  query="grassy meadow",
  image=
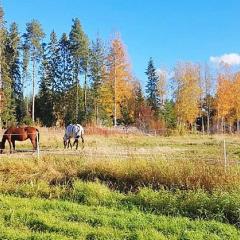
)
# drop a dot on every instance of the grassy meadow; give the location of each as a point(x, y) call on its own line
point(122, 186)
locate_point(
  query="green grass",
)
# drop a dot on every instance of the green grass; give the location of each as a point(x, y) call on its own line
point(34, 218)
point(123, 187)
point(198, 204)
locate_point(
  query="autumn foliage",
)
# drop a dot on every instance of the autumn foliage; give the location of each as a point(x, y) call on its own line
point(188, 91)
point(228, 100)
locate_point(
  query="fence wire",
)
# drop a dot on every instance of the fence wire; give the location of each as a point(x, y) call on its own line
point(219, 149)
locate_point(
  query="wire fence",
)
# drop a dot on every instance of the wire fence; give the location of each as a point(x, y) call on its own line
point(51, 143)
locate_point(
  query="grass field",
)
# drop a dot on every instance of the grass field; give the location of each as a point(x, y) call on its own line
point(122, 187)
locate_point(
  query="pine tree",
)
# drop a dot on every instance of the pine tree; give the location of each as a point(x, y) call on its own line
point(152, 87)
point(32, 45)
point(44, 99)
point(66, 63)
point(97, 73)
point(139, 100)
point(1, 53)
point(50, 87)
point(13, 58)
point(80, 51)
point(169, 114)
point(66, 78)
point(54, 74)
point(7, 110)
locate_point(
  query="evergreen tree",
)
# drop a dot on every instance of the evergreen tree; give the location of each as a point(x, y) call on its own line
point(1, 50)
point(152, 87)
point(6, 92)
point(13, 58)
point(53, 61)
point(44, 99)
point(169, 114)
point(139, 100)
point(79, 50)
point(65, 64)
point(66, 80)
point(97, 73)
point(33, 47)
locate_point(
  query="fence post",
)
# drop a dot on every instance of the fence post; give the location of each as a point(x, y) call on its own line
point(225, 154)
point(38, 151)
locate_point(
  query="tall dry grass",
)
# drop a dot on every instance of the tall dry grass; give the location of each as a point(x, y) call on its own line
point(127, 162)
point(124, 175)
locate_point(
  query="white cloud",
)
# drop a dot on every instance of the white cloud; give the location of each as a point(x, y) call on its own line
point(229, 59)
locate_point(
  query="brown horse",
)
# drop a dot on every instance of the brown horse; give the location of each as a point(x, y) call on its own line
point(13, 134)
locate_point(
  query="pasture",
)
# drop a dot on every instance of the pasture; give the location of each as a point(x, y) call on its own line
point(122, 186)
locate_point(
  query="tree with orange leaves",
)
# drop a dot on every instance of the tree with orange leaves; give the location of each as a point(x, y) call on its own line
point(236, 92)
point(120, 77)
point(225, 99)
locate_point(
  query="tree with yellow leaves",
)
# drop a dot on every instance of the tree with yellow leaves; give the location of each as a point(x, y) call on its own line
point(120, 77)
point(187, 77)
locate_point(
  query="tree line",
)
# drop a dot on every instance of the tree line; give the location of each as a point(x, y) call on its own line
point(73, 79)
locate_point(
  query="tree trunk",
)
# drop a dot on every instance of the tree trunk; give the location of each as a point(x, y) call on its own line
point(208, 123)
point(203, 128)
point(33, 90)
point(223, 127)
point(97, 114)
point(1, 88)
point(77, 98)
point(0, 95)
point(238, 126)
point(85, 93)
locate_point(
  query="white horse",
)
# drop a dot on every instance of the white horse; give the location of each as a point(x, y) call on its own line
point(73, 131)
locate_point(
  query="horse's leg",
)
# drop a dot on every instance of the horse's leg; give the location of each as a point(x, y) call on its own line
point(33, 141)
point(76, 144)
point(69, 143)
point(10, 145)
point(82, 141)
point(13, 144)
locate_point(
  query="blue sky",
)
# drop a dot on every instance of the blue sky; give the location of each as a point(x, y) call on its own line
point(167, 30)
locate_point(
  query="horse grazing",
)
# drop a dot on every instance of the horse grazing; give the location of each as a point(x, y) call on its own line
point(13, 134)
point(73, 131)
